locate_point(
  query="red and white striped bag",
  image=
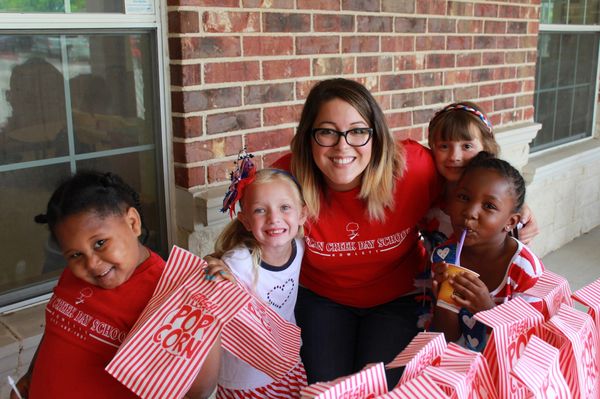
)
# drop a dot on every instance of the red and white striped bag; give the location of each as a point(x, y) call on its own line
point(418, 387)
point(574, 334)
point(471, 375)
point(424, 350)
point(163, 353)
point(539, 371)
point(590, 297)
point(512, 323)
point(553, 290)
point(369, 383)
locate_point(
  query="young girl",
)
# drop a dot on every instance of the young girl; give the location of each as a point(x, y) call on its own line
point(263, 249)
point(486, 203)
point(110, 276)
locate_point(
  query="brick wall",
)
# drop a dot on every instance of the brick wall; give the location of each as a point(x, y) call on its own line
point(241, 69)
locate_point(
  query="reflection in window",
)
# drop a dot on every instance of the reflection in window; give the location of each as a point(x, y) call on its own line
point(571, 12)
point(69, 102)
point(565, 87)
point(61, 6)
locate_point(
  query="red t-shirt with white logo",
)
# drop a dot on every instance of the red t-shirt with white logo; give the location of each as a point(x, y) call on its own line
point(85, 325)
point(362, 263)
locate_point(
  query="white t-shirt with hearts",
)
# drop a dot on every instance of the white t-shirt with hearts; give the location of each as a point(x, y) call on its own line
point(278, 287)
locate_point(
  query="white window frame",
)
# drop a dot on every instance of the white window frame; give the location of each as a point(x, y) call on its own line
point(62, 23)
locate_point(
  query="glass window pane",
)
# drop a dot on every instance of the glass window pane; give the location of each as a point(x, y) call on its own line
point(69, 102)
point(568, 52)
point(544, 113)
point(592, 12)
point(582, 111)
point(576, 12)
point(554, 11)
point(61, 6)
point(587, 58)
point(547, 60)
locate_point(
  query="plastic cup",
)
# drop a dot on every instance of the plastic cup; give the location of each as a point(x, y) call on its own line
point(446, 291)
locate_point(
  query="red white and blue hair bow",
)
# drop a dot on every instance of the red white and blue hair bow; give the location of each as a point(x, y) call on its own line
point(241, 177)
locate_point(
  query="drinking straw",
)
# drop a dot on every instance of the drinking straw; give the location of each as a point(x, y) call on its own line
point(460, 246)
point(12, 384)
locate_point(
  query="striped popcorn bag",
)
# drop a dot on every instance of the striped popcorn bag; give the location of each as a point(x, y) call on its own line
point(512, 323)
point(424, 350)
point(368, 383)
point(539, 371)
point(469, 372)
point(574, 334)
point(553, 290)
point(417, 388)
point(590, 297)
point(163, 353)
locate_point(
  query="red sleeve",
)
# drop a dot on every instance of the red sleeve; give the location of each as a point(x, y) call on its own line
point(284, 163)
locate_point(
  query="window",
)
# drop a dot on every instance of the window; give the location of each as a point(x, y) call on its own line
point(84, 96)
point(567, 68)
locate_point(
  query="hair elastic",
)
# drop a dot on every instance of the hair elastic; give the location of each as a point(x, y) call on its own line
point(472, 110)
point(241, 177)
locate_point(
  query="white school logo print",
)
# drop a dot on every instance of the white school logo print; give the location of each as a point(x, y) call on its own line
point(352, 229)
point(83, 295)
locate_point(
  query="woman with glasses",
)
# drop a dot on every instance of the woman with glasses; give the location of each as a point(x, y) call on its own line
point(365, 194)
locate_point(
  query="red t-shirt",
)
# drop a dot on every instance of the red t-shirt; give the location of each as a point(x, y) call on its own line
point(362, 263)
point(85, 325)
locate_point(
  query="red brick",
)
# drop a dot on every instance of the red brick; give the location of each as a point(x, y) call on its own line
point(533, 27)
point(373, 23)
point(489, 90)
point(413, 133)
point(524, 100)
point(399, 119)
point(465, 92)
point(431, 7)
point(384, 100)
point(460, 9)
point(187, 127)
point(184, 22)
point(218, 172)
point(282, 114)
point(495, 119)
point(469, 26)
point(204, 3)
point(434, 61)
point(327, 66)
point(507, 42)
point(332, 5)
point(232, 121)
point(429, 43)
point(269, 159)
point(317, 45)
point(283, 22)
point(348, 65)
point(507, 11)
point(471, 59)
point(408, 62)
point(511, 87)
point(529, 12)
point(282, 69)
point(265, 45)
point(481, 75)
point(200, 100)
point(360, 44)
point(205, 47)
point(190, 177)
point(441, 25)
point(410, 25)
point(495, 27)
point(185, 75)
point(268, 93)
point(206, 150)
point(443, 96)
point(422, 116)
point(334, 23)
point(528, 114)
point(459, 43)
point(515, 27)
point(304, 87)
point(269, 139)
point(526, 71)
point(268, 4)
point(507, 72)
point(401, 7)
point(396, 82)
point(528, 85)
point(485, 42)
point(407, 100)
point(485, 10)
point(374, 64)
point(496, 58)
point(360, 5)
point(504, 103)
point(396, 44)
point(457, 76)
point(219, 72)
point(221, 21)
point(426, 79)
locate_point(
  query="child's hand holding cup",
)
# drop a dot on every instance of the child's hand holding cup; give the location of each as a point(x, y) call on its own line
point(442, 273)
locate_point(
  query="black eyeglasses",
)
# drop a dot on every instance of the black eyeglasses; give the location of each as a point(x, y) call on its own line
point(354, 137)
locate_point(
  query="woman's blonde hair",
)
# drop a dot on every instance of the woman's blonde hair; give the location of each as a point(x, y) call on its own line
point(387, 161)
point(236, 234)
point(457, 121)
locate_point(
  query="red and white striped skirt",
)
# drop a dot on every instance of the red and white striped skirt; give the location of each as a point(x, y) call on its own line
point(287, 388)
